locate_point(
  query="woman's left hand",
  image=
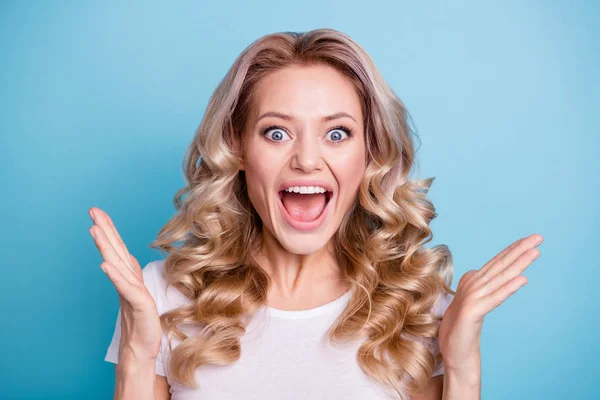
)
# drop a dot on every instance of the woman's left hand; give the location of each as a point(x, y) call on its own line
point(478, 293)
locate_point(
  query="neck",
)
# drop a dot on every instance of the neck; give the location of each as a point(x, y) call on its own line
point(299, 281)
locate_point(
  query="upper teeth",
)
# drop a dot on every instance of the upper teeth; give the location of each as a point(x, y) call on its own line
point(306, 189)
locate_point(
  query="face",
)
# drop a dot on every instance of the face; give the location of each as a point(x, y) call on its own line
point(304, 154)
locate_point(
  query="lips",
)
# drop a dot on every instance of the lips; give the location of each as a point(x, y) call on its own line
point(305, 212)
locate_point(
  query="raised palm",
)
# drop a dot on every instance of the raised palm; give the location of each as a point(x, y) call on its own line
point(140, 324)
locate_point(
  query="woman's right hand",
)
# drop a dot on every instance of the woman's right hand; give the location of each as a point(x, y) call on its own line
point(141, 330)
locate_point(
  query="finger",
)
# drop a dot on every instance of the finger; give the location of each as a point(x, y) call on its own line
point(498, 297)
point(116, 276)
point(108, 253)
point(512, 271)
point(509, 257)
point(102, 219)
point(466, 279)
point(498, 256)
point(136, 266)
point(123, 286)
point(134, 261)
point(118, 237)
point(477, 275)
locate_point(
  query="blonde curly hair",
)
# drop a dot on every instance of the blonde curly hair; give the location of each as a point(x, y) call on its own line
point(379, 245)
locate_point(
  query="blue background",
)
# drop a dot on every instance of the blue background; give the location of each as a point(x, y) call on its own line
point(99, 101)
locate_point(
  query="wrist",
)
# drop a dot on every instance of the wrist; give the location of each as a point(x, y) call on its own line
point(467, 363)
point(136, 353)
point(467, 375)
point(468, 370)
point(463, 385)
point(130, 361)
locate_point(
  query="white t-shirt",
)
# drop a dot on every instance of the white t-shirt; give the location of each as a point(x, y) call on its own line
point(284, 354)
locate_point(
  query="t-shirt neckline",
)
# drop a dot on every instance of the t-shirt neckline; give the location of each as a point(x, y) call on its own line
point(336, 305)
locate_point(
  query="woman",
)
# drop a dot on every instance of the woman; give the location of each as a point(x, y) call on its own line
point(296, 264)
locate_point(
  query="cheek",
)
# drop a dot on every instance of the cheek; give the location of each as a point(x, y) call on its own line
point(349, 170)
point(255, 187)
point(261, 170)
point(350, 177)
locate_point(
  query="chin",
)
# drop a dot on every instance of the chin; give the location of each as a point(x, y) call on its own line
point(303, 244)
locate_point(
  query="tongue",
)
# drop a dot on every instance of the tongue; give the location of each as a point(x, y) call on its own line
point(303, 207)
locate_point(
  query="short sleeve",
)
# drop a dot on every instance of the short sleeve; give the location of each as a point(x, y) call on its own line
point(439, 309)
point(112, 354)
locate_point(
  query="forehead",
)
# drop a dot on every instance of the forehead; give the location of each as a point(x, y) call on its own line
point(307, 92)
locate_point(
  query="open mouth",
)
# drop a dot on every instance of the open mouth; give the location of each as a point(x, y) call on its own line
point(305, 207)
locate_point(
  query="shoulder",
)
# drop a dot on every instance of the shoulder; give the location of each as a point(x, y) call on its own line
point(165, 296)
point(152, 270)
point(442, 303)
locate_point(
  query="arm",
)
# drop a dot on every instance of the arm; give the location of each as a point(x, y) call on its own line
point(138, 330)
point(460, 385)
point(453, 385)
point(478, 293)
point(135, 380)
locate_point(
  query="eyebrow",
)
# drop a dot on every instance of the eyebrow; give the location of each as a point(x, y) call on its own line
point(290, 118)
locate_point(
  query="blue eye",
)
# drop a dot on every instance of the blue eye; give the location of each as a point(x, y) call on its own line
point(276, 133)
point(337, 133)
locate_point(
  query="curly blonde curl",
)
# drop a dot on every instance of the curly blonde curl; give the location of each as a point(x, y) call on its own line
point(379, 245)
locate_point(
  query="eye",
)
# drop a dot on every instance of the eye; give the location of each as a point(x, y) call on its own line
point(276, 134)
point(337, 134)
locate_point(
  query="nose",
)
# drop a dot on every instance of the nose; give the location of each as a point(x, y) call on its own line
point(307, 155)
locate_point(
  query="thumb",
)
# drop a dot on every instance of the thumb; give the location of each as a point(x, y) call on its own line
point(134, 261)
